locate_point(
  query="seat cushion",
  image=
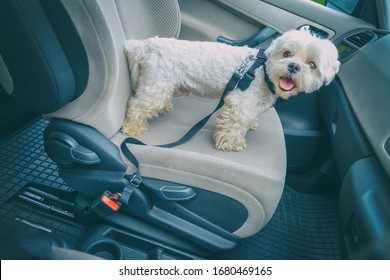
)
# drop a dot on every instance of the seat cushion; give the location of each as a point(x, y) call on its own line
point(254, 177)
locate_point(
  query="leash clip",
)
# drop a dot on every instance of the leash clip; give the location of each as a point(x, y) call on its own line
point(136, 180)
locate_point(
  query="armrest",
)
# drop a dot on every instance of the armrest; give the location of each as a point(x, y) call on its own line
point(252, 41)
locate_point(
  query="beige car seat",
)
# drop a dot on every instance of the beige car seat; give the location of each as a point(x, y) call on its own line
point(209, 197)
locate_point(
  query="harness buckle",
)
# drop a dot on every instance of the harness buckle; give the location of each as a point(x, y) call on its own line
point(241, 70)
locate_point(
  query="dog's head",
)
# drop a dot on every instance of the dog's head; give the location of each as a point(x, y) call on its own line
point(299, 62)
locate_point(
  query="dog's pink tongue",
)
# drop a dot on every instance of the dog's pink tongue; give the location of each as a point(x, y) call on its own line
point(286, 84)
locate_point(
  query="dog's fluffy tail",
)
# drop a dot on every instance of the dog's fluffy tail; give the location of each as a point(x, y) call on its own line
point(135, 53)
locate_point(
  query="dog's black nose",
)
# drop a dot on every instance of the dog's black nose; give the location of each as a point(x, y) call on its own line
point(293, 68)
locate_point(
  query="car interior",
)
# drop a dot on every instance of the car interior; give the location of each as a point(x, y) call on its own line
point(313, 183)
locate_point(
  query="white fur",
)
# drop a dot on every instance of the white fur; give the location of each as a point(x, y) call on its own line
point(160, 67)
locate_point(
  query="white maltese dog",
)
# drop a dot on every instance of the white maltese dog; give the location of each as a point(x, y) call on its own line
point(161, 67)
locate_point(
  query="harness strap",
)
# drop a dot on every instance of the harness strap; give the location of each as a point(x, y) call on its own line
point(241, 79)
point(249, 76)
point(270, 84)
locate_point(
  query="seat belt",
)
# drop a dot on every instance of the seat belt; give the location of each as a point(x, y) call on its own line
point(241, 78)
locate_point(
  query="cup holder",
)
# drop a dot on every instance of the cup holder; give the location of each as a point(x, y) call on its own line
point(107, 249)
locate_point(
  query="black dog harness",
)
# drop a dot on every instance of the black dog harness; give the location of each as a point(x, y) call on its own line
point(241, 78)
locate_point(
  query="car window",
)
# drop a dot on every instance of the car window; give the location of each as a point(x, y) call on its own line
point(345, 6)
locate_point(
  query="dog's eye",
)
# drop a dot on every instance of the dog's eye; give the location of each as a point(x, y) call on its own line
point(312, 65)
point(287, 54)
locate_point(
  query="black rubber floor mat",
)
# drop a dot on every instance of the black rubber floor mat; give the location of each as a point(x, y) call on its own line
point(16, 212)
point(304, 226)
point(23, 160)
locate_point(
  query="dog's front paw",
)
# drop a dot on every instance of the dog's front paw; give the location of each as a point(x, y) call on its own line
point(133, 129)
point(253, 125)
point(226, 142)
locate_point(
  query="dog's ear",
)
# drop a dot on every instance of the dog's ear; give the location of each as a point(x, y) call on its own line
point(271, 48)
point(331, 72)
point(331, 64)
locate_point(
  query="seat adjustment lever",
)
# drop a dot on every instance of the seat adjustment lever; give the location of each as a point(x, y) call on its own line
point(67, 152)
point(168, 191)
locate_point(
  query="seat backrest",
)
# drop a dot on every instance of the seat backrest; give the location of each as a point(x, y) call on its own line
point(102, 27)
point(43, 64)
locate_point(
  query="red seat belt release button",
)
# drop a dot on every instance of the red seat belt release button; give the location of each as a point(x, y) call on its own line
point(111, 200)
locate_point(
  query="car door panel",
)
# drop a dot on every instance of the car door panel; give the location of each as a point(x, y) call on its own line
point(206, 20)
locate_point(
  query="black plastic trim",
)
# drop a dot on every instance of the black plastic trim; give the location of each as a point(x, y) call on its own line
point(364, 211)
point(348, 141)
point(89, 179)
point(117, 243)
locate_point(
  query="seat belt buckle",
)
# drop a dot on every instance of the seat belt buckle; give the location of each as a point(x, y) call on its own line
point(111, 200)
point(104, 205)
